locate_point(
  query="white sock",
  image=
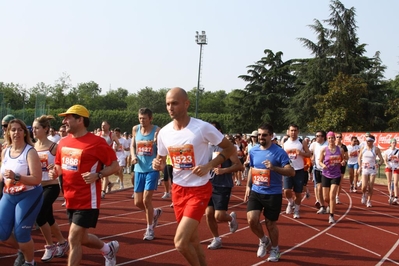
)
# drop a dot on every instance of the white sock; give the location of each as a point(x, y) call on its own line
point(218, 238)
point(291, 201)
point(297, 207)
point(150, 226)
point(105, 249)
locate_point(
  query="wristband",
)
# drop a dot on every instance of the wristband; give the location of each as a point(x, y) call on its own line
point(224, 157)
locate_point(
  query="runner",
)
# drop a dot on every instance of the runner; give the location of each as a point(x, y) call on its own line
point(186, 140)
point(144, 150)
point(391, 159)
point(80, 159)
point(222, 183)
point(264, 190)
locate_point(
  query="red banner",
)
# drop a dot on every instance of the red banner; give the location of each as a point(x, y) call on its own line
point(382, 140)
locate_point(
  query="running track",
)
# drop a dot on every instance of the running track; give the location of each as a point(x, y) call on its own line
point(361, 236)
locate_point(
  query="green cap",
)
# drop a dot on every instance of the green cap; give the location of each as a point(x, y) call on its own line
point(7, 119)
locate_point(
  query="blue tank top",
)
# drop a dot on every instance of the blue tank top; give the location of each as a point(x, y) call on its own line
point(146, 150)
point(333, 163)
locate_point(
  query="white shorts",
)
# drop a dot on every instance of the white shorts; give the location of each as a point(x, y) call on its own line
point(369, 171)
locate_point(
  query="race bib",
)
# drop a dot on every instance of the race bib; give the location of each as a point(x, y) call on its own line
point(144, 147)
point(292, 154)
point(368, 166)
point(12, 187)
point(44, 161)
point(394, 159)
point(182, 156)
point(261, 177)
point(71, 158)
point(335, 159)
point(354, 153)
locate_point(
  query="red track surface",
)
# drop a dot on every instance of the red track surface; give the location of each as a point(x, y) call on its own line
point(361, 236)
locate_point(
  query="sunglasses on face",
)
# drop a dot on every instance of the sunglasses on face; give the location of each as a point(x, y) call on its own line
point(4, 126)
point(263, 135)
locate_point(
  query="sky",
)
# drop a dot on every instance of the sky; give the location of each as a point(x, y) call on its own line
point(133, 44)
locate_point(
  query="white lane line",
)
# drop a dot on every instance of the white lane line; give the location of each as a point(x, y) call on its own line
point(388, 254)
point(372, 226)
point(350, 243)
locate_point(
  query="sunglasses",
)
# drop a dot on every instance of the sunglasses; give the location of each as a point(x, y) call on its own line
point(4, 126)
point(319, 136)
point(263, 135)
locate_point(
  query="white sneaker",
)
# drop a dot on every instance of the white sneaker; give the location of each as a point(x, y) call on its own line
point(262, 250)
point(156, 217)
point(62, 249)
point(49, 252)
point(331, 220)
point(321, 211)
point(121, 186)
point(359, 183)
point(233, 225)
point(215, 244)
point(274, 255)
point(364, 199)
point(337, 200)
point(289, 209)
point(110, 258)
point(395, 201)
point(296, 214)
point(368, 205)
point(166, 195)
point(149, 234)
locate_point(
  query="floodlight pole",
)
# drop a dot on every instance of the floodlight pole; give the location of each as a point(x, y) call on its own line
point(201, 40)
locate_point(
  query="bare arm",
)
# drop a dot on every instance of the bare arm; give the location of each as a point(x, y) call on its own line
point(236, 166)
point(133, 145)
point(321, 159)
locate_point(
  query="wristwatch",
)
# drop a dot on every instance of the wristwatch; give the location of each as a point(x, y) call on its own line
point(99, 175)
point(17, 177)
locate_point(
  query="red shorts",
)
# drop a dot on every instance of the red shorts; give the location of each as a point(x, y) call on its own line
point(191, 201)
point(389, 170)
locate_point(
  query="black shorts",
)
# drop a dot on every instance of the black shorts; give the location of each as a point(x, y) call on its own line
point(317, 176)
point(168, 173)
point(327, 182)
point(84, 218)
point(343, 168)
point(305, 178)
point(271, 204)
point(220, 198)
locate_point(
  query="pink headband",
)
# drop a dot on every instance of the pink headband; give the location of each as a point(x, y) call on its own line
point(330, 134)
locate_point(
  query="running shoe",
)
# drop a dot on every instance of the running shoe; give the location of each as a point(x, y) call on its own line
point(49, 252)
point(395, 201)
point(359, 183)
point(368, 205)
point(331, 220)
point(262, 250)
point(20, 260)
point(274, 255)
point(156, 217)
point(337, 201)
point(321, 211)
point(233, 225)
point(110, 258)
point(62, 249)
point(296, 214)
point(289, 209)
point(363, 200)
point(149, 234)
point(166, 195)
point(215, 244)
point(29, 264)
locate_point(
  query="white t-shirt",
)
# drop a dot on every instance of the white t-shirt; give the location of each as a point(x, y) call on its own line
point(315, 147)
point(188, 148)
point(120, 152)
point(291, 147)
point(353, 153)
point(129, 142)
point(54, 138)
point(393, 158)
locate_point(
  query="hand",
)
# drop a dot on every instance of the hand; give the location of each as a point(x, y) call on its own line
point(201, 170)
point(218, 171)
point(9, 174)
point(52, 173)
point(134, 160)
point(247, 191)
point(268, 164)
point(156, 164)
point(89, 177)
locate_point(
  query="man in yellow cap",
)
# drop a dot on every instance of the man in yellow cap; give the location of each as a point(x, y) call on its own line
point(80, 158)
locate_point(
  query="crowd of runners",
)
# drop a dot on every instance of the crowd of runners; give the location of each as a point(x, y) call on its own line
point(199, 167)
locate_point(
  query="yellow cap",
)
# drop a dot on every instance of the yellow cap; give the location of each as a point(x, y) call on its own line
point(76, 110)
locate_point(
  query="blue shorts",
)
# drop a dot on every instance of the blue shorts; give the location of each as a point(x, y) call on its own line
point(353, 166)
point(145, 181)
point(19, 212)
point(294, 182)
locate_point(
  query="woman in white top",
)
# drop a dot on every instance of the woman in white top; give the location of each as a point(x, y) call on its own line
point(369, 167)
point(51, 189)
point(391, 159)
